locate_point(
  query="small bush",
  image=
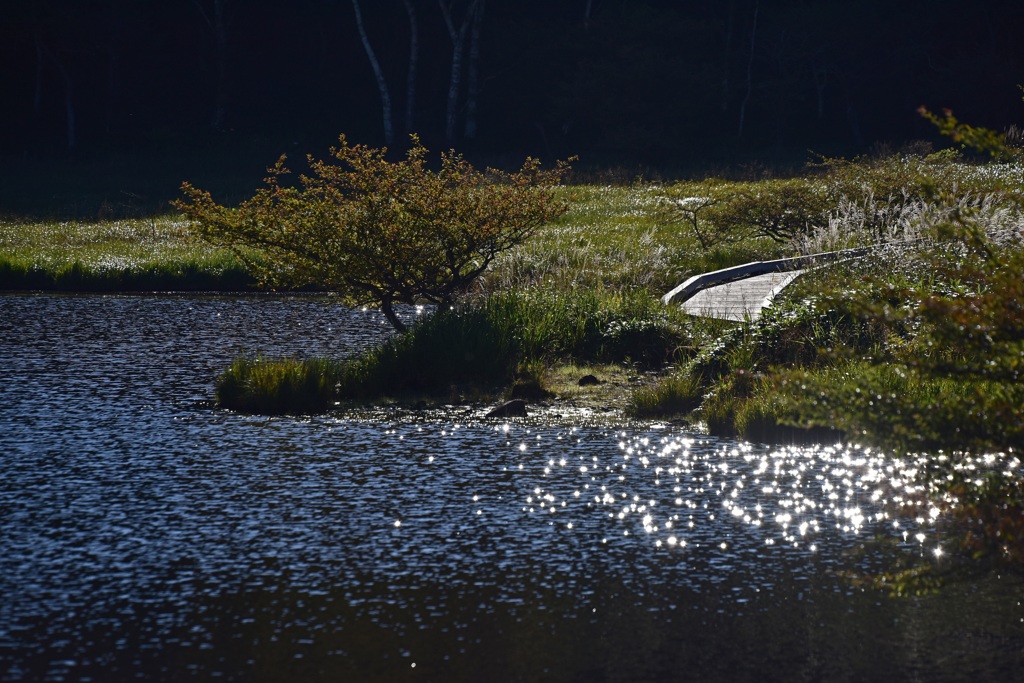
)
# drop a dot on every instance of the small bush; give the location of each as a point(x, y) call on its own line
point(837, 204)
point(381, 232)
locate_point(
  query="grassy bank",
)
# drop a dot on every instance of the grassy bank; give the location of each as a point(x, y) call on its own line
point(514, 343)
point(152, 254)
point(585, 291)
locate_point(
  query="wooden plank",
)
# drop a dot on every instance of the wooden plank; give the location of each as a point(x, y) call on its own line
point(705, 280)
point(739, 300)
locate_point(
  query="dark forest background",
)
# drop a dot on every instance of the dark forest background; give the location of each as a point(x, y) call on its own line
point(109, 104)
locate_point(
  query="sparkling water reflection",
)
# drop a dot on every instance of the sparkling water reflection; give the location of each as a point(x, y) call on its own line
point(145, 534)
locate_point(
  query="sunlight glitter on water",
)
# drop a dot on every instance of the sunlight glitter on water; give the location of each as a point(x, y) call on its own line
point(679, 491)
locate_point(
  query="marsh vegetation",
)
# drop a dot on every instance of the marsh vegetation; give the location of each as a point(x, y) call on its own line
point(141, 254)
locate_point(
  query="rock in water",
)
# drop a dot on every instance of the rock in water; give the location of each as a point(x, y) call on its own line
point(514, 408)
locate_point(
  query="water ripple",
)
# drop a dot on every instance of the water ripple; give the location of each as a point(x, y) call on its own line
point(144, 533)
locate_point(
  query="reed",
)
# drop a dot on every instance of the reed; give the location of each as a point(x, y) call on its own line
point(280, 386)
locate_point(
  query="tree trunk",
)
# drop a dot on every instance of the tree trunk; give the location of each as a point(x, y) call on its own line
point(820, 71)
point(410, 76)
point(473, 74)
point(69, 102)
point(727, 62)
point(69, 111)
point(388, 309)
point(218, 25)
point(382, 84)
point(113, 88)
point(852, 118)
point(458, 37)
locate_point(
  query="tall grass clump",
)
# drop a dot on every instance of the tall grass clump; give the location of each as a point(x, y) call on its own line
point(440, 354)
point(487, 342)
point(278, 387)
point(870, 221)
point(587, 325)
point(677, 394)
point(835, 203)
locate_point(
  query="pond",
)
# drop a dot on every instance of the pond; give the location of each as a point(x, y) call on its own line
point(145, 535)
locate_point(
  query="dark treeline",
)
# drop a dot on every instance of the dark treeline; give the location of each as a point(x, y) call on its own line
point(673, 85)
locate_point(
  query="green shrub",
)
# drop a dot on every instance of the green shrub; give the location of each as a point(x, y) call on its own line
point(488, 342)
point(864, 201)
point(718, 211)
point(586, 325)
point(481, 345)
point(381, 232)
point(464, 345)
point(947, 370)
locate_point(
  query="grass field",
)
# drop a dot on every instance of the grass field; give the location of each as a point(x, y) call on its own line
point(121, 255)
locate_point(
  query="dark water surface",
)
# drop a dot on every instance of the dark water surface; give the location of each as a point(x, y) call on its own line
point(146, 536)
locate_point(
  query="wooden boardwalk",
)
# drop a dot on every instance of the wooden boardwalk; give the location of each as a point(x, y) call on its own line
point(739, 300)
point(740, 293)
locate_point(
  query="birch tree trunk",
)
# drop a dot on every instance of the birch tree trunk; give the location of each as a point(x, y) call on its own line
point(727, 61)
point(218, 25)
point(458, 38)
point(37, 97)
point(382, 84)
point(70, 123)
point(750, 71)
